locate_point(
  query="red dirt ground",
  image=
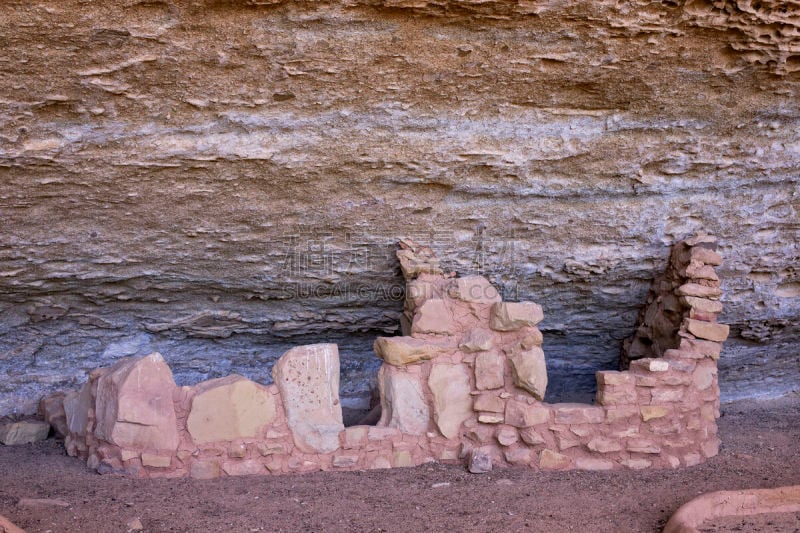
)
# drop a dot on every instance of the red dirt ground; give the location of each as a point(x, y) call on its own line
point(761, 448)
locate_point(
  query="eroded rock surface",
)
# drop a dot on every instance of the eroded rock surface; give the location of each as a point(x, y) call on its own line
point(219, 181)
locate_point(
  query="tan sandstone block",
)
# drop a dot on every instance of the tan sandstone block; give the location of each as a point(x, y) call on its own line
point(703, 305)
point(400, 351)
point(477, 340)
point(521, 414)
point(705, 348)
point(613, 377)
point(510, 316)
point(650, 412)
point(593, 464)
point(529, 370)
point(704, 255)
point(244, 468)
point(604, 445)
point(156, 460)
point(506, 436)
point(707, 330)
point(473, 289)
point(229, 408)
point(205, 470)
point(134, 406)
point(550, 460)
point(489, 402)
point(698, 291)
point(403, 404)
point(578, 413)
point(434, 317)
point(354, 437)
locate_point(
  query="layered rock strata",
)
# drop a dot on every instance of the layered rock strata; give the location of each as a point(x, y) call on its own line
point(221, 181)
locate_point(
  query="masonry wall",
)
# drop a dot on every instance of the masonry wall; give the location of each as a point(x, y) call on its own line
point(466, 385)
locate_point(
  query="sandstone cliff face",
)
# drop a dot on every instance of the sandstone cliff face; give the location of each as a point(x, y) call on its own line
point(220, 180)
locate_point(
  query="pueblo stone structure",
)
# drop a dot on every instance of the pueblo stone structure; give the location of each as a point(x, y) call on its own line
point(175, 173)
point(465, 383)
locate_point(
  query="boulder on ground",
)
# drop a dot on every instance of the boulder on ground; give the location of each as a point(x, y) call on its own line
point(23, 432)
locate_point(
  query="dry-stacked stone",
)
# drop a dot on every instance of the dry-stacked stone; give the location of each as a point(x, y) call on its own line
point(465, 384)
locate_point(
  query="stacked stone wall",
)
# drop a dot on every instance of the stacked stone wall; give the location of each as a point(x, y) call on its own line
point(466, 384)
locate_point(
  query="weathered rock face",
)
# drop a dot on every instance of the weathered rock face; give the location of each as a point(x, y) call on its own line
point(221, 181)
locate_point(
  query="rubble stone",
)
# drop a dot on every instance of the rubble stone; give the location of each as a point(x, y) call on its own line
point(23, 432)
point(400, 351)
point(480, 461)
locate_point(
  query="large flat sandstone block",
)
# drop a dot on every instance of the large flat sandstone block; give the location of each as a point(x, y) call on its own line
point(134, 406)
point(229, 408)
point(308, 380)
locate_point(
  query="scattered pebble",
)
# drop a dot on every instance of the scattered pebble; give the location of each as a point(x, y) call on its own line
point(41, 502)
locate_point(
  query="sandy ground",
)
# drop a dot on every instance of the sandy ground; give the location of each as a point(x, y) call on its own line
point(761, 448)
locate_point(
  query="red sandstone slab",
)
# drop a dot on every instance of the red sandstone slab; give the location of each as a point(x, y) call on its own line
point(691, 515)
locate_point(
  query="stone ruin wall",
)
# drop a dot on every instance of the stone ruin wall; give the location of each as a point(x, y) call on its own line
point(465, 384)
point(161, 161)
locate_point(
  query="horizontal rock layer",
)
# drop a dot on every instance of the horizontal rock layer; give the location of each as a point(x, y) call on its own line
point(220, 180)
